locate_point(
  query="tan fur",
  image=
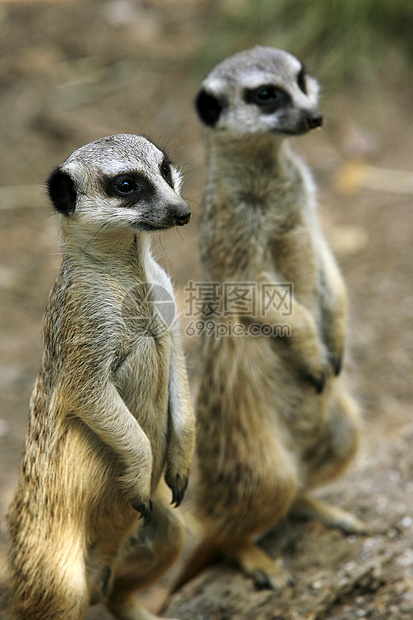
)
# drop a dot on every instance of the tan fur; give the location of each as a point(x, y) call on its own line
point(110, 413)
point(274, 420)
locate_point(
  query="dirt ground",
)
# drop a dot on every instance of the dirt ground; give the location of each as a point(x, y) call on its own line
point(73, 71)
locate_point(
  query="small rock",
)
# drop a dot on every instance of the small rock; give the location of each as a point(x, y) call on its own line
point(406, 558)
point(394, 475)
point(350, 566)
point(4, 428)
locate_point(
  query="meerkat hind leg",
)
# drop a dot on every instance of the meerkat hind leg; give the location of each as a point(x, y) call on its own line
point(148, 555)
point(265, 572)
point(307, 507)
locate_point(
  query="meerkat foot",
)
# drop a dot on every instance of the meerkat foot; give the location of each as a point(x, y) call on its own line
point(265, 572)
point(331, 516)
point(277, 579)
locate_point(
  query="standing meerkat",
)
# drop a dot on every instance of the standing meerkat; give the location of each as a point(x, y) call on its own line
point(110, 414)
point(275, 418)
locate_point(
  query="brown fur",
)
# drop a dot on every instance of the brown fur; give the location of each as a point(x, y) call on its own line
point(110, 414)
point(274, 420)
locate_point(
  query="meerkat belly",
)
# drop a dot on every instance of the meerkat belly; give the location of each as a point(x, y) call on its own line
point(237, 403)
point(288, 408)
point(253, 418)
point(142, 382)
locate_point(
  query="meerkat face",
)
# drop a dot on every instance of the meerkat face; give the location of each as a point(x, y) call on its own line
point(259, 91)
point(121, 182)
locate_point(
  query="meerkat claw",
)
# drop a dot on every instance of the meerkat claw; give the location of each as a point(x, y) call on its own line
point(262, 581)
point(317, 382)
point(178, 490)
point(176, 499)
point(336, 362)
point(145, 511)
point(277, 581)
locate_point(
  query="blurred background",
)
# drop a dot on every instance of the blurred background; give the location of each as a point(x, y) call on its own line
point(74, 70)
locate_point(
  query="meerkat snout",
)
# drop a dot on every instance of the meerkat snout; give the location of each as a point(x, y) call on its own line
point(314, 119)
point(181, 215)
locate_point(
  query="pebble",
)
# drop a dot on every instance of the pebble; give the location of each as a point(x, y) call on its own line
point(350, 566)
point(394, 475)
point(4, 428)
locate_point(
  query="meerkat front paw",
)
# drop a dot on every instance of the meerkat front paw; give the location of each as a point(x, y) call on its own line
point(138, 494)
point(145, 509)
point(317, 375)
point(336, 362)
point(323, 365)
point(317, 380)
point(178, 484)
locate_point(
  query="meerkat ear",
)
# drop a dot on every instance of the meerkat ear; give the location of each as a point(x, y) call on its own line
point(62, 192)
point(209, 107)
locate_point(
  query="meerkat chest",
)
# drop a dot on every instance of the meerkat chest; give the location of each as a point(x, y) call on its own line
point(294, 257)
point(147, 311)
point(143, 374)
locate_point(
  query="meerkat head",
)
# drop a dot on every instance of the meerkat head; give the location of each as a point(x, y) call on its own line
point(259, 91)
point(121, 182)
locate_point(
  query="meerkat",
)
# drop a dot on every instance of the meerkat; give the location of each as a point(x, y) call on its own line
point(111, 422)
point(274, 416)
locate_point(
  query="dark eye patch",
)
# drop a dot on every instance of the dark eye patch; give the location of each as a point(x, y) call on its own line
point(130, 186)
point(166, 172)
point(267, 97)
point(301, 81)
point(125, 185)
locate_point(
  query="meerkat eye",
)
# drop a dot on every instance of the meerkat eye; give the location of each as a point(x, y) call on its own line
point(165, 169)
point(301, 81)
point(125, 185)
point(267, 97)
point(266, 94)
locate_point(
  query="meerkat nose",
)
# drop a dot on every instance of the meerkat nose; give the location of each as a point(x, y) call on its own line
point(182, 216)
point(314, 119)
